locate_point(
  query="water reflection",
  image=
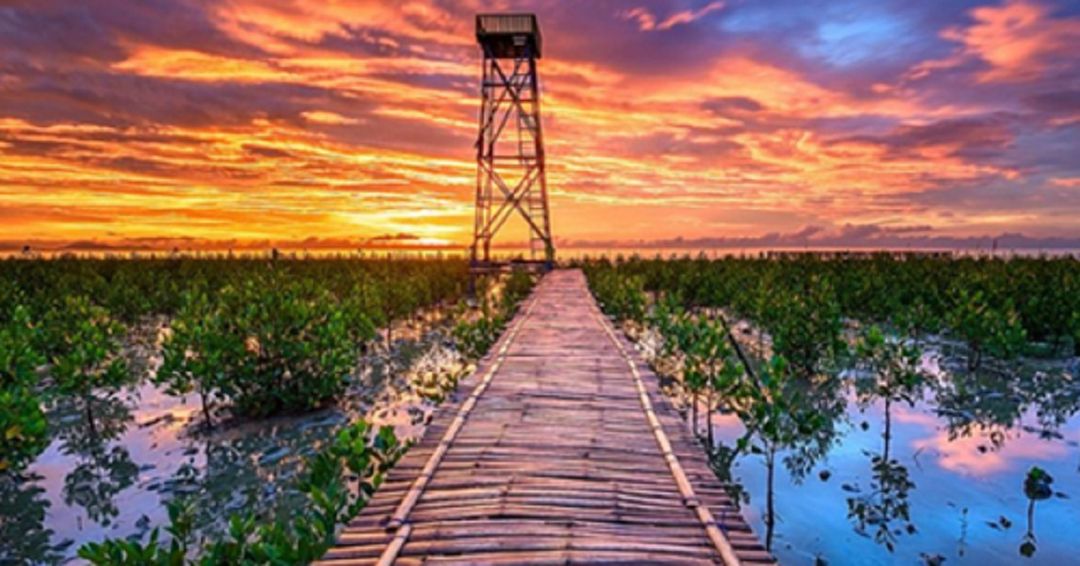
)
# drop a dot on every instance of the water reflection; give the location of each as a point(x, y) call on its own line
point(985, 453)
point(939, 479)
point(146, 449)
point(246, 467)
point(22, 522)
point(985, 402)
point(101, 470)
point(888, 371)
point(826, 398)
point(101, 473)
point(1058, 399)
point(885, 504)
point(111, 417)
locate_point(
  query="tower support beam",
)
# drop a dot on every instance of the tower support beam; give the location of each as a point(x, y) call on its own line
point(510, 169)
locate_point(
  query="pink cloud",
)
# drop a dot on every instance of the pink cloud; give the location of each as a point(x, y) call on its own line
point(647, 21)
point(1067, 182)
point(1019, 40)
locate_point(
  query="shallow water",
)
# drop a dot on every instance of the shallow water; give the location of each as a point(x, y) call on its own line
point(959, 460)
point(148, 449)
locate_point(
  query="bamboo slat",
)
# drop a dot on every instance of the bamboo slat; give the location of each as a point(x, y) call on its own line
point(560, 450)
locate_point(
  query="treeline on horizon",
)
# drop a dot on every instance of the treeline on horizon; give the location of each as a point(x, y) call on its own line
point(132, 287)
point(997, 305)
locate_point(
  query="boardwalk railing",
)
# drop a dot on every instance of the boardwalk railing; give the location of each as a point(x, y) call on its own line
point(560, 449)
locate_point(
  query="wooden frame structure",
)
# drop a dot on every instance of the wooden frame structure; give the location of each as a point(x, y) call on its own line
point(510, 166)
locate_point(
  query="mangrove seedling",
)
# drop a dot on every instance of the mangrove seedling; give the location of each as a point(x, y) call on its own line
point(89, 360)
point(776, 418)
point(23, 430)
point(1037, 487)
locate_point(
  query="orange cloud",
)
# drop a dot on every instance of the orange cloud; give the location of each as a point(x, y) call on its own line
point(193, 65)
point(329, 118)
point(353, 119)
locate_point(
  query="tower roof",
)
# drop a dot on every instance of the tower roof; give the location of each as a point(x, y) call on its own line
point(508, 35)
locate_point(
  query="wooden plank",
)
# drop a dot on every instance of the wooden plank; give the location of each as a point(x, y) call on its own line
point(561, 449)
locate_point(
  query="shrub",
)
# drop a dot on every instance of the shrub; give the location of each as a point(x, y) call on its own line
point(267, 345)
point(356, 451)
point(19, 353)
point(518, 286)
point(805, 325)
point(474, 338)
point(984, 327)
point(88, 345)
point(23, 431)
point(891, 370)
point(619, 295)
point(199, 352)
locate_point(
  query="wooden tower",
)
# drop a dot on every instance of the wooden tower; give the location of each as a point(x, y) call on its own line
point(510, 176)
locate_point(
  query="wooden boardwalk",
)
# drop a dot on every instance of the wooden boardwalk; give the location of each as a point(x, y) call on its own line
point(559, 450)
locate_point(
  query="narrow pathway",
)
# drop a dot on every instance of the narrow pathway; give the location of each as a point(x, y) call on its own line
point(560, 450)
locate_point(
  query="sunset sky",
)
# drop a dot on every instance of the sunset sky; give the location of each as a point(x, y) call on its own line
point(160, 121)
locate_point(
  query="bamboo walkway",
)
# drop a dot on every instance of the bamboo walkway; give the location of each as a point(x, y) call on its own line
point(560, 450)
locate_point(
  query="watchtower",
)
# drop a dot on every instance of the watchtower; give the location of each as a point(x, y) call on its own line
point(510, 173)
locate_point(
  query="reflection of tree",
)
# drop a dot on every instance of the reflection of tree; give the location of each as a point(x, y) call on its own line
point(888, 370)
point(993, 401)
point(22, 522)
point(229, 482)
point(102, 470)
point(1058, 398)
point(248, 472)
point(822, 396)
point(95, 481)
point(722, 459)
point(886, 503)
point(1027, 547)
point(111, 416)
point(983, 401)
point(887, 500)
